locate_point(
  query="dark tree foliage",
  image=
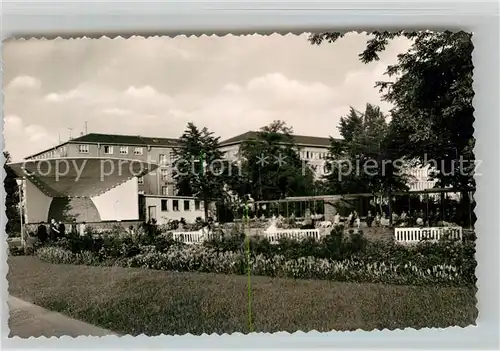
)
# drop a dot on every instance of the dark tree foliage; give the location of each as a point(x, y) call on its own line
point(11, 198)
point(365, 160)
point(432, 118)
point(199, 167)
point(272, 168)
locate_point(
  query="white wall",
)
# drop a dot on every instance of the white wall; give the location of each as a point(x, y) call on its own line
point(170, 214)
point(120, 203)
point(36, 203)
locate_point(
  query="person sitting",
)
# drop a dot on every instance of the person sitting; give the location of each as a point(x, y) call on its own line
point(336, 219)
point(357, 222)
point(420, 222)
point(384, 221)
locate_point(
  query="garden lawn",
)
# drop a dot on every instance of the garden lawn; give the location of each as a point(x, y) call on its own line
point(135, 301)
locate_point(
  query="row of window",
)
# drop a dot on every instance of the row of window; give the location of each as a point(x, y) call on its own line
point(175, 205)
point(163, 159)
point(109, 149)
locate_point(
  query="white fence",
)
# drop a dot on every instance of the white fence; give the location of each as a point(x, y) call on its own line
point(191, 237)
point(296, 234)
point(414, 235)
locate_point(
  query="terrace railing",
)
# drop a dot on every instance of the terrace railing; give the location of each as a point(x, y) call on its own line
point(295, 234)
point(196, 237)
point(415, 235)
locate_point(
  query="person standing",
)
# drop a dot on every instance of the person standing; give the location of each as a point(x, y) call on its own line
point(41, 233)
point(350, 219)
point(54, 230)
point(82, 229)
point(62, 229)
point(353, 218)
point(74, 228)
point(369, 219)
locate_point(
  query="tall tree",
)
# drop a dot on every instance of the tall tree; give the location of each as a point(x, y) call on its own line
point(432, 98)
point(199, 168)
point(11, 198)
point(272, 168)
point(365, 160)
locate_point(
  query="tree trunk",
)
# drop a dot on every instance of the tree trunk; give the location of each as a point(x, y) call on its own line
point(389, 204)
point(465, 210)
point(205, 208)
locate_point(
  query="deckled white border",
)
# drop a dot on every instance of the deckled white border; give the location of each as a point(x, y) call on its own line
point(97, 18)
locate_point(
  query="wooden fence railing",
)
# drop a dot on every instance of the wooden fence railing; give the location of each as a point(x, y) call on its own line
point(414, 235)
point(295, 234)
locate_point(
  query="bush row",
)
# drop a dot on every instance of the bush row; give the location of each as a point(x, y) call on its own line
point(336, 256)
point(201, 259)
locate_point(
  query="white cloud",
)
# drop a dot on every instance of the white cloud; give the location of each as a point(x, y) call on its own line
point(145, 92)
point(23, 140)
point(116, 111)
point(156, 86)
point(277, 87)
point(24, 82)
point(310, 107)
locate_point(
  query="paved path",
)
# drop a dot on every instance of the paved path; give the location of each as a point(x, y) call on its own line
point(28, 320)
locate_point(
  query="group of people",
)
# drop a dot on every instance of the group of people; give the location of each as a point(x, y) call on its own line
point(57, 230)
point(417, 218)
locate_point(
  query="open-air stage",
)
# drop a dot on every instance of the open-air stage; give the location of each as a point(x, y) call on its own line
point(80, 189)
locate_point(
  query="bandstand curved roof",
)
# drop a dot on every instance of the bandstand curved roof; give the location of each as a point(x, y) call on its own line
point(80, 176)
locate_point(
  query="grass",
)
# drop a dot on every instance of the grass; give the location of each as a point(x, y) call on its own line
point(135, 301)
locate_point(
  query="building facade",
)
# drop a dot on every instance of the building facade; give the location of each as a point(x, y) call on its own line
point(312, 150)
point(157, 189)
point(158, 151)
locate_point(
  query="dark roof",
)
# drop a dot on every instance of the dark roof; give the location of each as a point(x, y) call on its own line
point(114, 139)
point(117, 139)
point(125, 140)
point(302, 140)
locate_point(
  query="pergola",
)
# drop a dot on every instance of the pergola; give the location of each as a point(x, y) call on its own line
point(283, 205)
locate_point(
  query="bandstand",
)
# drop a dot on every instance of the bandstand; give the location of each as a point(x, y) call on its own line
point(80, 189)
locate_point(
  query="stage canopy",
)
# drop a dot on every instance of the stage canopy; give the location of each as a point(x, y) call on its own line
point(80, 177)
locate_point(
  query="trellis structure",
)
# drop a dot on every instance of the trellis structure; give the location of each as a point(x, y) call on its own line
point(400, 201)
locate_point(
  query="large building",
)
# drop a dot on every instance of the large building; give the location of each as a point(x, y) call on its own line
point(313, 150)
point(156, 188)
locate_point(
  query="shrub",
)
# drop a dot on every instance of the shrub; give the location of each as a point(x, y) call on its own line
point(201, 259)
point(55, 254)
point(226, 252)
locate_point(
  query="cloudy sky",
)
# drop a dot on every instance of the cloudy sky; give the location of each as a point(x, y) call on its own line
point(155, 86)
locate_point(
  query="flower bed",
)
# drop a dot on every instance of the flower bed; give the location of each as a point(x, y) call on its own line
point(335, 257)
